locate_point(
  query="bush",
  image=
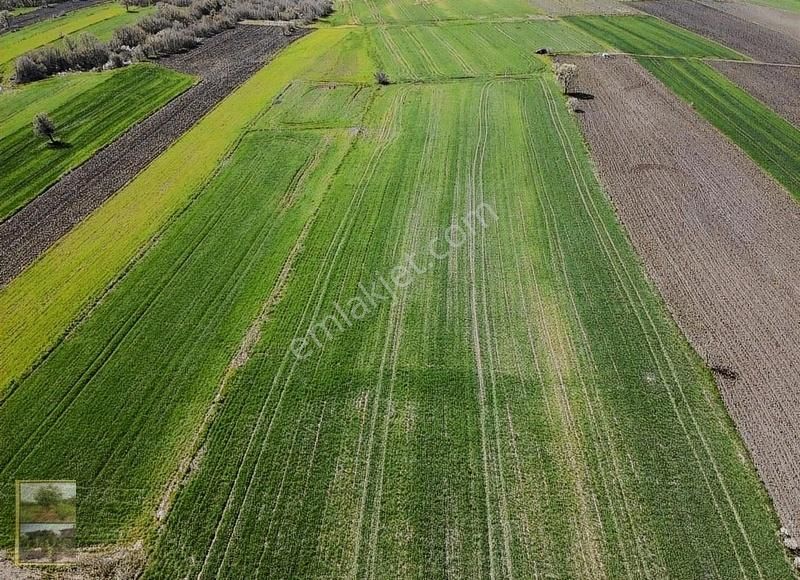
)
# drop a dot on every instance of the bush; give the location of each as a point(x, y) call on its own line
point(127, 36)
point(27, 70)
point(200, 8)
point(116, 60)
point(87, 53)
point(153, 23)
point(5, 19)
point(174, 14)
point(382, 78)
point(169, 41)
point(209, 26)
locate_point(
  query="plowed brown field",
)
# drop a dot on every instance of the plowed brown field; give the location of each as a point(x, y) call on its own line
point(782, 21)
point(776, 86)
point(751, 39)
point(720, 240)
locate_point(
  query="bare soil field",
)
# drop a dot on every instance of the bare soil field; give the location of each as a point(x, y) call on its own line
point(782, 21)
point(719, 238)
point(570, 7)
point(751, 39)
point(48, 12)
point(776, 86)
point(223, 62)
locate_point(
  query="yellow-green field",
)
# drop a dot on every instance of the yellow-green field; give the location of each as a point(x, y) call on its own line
point(100, 20)
point(341, 329)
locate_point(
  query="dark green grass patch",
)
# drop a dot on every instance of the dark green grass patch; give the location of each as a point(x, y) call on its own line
point(650, 36)
point(768, 138)
point(28, 164)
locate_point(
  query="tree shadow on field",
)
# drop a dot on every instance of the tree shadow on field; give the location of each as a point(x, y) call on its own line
point(581, 96)
point(59, 145)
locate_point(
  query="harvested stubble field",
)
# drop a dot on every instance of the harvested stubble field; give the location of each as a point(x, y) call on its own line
point(720, 240)
point(86, 122)
point(223, 62)
point(646, 35)
point(521, 405)
point(761, 43)
point(777, 87)
point(769, 139)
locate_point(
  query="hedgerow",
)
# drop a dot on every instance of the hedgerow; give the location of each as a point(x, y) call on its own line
point(176, 26)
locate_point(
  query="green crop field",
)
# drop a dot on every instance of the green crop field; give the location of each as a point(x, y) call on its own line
point(19, 104)
point(105, 28)
point(501, 394)
point(394, 11)
point(99, 19)
point(348, 330)
point(38, 307)
point(646, 35)
point(764, 135)
point(473, 50)
point(86, 121)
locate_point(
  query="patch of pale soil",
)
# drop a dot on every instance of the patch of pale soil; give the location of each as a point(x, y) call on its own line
point(572, 7)
point(719, 238)
point(100, 563)
point(782, 21)
point(777, 87)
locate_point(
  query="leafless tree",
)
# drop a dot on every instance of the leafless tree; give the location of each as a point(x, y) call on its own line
point(565, 75)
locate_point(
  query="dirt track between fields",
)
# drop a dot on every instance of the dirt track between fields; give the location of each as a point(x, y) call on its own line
point(224, 62)
point(777, 87)
point(48, 12)
point(720, 240)
point(763, 44)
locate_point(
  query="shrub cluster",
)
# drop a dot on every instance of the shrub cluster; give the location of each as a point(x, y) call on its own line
point(286, 10)
point(176, 26)
point(12, 4)
point(81, 54)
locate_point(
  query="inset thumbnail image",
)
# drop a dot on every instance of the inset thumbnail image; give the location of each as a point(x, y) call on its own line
point(46, 522)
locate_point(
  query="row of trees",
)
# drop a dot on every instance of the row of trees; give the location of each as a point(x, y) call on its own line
point(175, 26)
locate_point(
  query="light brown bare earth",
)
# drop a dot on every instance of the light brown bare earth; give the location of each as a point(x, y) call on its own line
point(720, 239)
point(782, 21)
point(571, 7)
point(776, 86)
point(761, 43)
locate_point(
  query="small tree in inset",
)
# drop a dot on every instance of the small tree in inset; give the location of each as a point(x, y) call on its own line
point(48, 496)
point(43, 126)
point(565, 75)
point(382, 78)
